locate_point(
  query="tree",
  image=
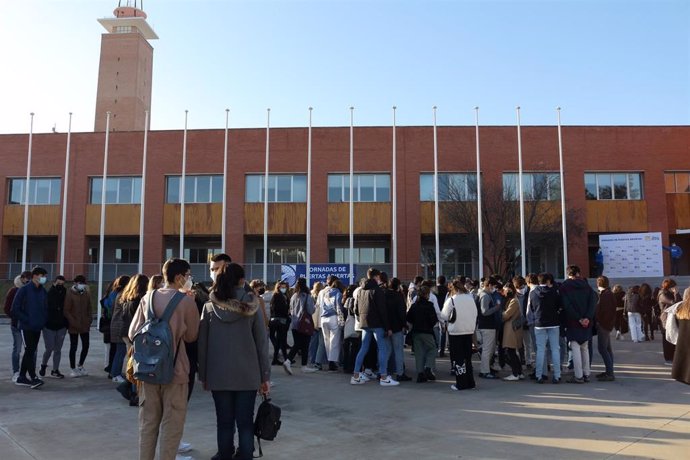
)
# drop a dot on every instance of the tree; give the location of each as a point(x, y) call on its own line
point(501, 217)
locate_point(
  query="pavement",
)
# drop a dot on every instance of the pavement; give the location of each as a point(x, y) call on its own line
point(643, 414)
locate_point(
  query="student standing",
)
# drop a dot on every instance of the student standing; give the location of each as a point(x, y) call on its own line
point(55, 329)
point(79, 316)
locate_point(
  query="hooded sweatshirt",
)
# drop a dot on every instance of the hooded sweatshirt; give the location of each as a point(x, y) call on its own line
point(544, 306)
point(9, 298)
point(56, 307)
point(233, 348)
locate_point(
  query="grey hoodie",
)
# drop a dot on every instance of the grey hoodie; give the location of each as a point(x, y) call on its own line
point(233, 347)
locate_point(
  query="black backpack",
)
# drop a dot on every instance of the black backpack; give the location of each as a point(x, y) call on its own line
point(267, 422)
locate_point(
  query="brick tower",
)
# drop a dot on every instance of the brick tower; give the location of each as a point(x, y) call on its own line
point(125, 69)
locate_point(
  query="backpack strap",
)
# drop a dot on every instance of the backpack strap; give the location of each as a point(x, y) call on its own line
point(170, 309)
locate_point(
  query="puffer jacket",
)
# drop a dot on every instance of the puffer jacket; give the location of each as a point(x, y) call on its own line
point(370, 305)
point(78, 310)
point(465, 311)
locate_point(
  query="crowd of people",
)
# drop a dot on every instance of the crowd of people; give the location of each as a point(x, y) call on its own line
point(362, 330)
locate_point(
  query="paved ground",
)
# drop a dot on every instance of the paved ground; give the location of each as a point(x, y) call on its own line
point(644, 414)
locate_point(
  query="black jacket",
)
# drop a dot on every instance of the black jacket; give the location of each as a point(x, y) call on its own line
point(545, 306)
point(56, 305)
point(422, 317)
point(371, 306)
point(280, 307)
point(396, 309)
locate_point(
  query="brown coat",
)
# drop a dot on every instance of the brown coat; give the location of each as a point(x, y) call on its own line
point(184, 324)
point(78, 311)
point(681, 360)
point(511, 338)
point(606, 310)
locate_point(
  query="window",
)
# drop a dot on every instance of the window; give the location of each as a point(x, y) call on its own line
point(281, 255)
point(126, 256)
point(613, 186)
point(282, 188)
point(360, 256)
point(197, 189)
point(677, 182)
point(366, 188)
point(194, 255)
point(535, 186)
point(118, 190)
point(41, 191)
point(451, 187)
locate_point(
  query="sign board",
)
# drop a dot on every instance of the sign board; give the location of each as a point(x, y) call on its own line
point(632, 255)
point(319, 272)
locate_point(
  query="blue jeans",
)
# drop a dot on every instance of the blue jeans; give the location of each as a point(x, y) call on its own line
point(378, 334)
point(317, 349)
point(235, 408)
point(16, 348)
point(550, 335)
point(396, 352)
point(119, 359)
point(604, 345)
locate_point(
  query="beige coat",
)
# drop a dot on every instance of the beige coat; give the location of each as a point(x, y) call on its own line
point(78, 311)
point(511, 338)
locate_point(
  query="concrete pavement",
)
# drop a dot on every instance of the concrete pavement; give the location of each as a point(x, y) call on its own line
point(643, 414)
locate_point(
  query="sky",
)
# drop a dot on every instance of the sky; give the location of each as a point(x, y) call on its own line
point(605, 62)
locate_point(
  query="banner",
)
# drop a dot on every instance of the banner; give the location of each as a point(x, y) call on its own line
point(319, 272)
point(632, 255)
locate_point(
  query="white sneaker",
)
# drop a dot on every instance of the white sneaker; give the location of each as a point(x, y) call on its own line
point(15, 376)
point(618, 335)
point(184, 447)
point(357, 380)
point(309, 369)
point(271, 384)
point(287, 365)
point(496, 367)
point(183, 457)
point(454, 388)
point(118, 379)
point(74, 373)
point(82, 371)
point(369, 374)
point(521, 376)
point(511, 378)
point(388, 382)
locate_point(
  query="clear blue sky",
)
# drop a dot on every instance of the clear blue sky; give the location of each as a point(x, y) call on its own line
point(605, 62)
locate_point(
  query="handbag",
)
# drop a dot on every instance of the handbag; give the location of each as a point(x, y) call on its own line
point(517, 323)
point(453, 314)
point(349, 329)
point(267, 422)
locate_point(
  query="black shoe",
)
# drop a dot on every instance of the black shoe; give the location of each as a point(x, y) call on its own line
point(275, 362)
point(134, 401)
point(555, 381)
point(488, 375)
point(125, 389)
point(402, 378)
point(23, 381)
point(540, 381)
point(56, 374)
point(35, 383)
point(42, 371)
point(107, 369)
point(428, 373)
point(421, 378)
point(332, 367)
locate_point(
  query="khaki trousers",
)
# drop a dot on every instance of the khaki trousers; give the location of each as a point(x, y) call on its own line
point(162, 412)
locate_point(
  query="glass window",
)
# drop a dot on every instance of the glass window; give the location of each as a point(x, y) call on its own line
point(197, 189)
point(203, 189)
point(335, 188)
point(216, 189)
point(253, 189)
point(125, 190)
point(510, 185)
point(677, 182)
point(284, 188)
point(451, 187)
point(590, 186)
point(299, 188)
point(535, 186)
point(173, 189)
point(367, 188)
point(620, 186)
point(118, 190)
point(613, 186)
point(604, 186)
point(41, 191)
point(383, 187)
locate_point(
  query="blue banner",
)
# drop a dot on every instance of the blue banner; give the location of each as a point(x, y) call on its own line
point(319, 272)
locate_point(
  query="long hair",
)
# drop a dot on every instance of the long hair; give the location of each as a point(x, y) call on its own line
point(227, 282)
point(155, 282)
point(135, 289)
point(645, 291)
point(301, 286)
point(683, 311)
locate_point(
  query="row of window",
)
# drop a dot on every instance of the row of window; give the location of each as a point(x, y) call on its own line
point(292, 188)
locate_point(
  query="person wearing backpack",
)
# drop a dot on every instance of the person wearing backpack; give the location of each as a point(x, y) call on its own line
point(163, 406)
point(233, 360)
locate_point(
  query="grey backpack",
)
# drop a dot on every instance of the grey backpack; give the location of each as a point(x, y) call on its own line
point(154, 351)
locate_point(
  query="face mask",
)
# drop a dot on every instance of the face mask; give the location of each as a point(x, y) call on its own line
point(187, 285)
point(522, 290)
point(283, 290)
point(213, 276)
point(262, 291)
point(81, 287)
point(42, 280)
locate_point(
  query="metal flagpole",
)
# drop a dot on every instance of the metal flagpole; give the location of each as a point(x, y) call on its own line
point(560, 158)
point(523, 255)
point(394, 234)
point(480, 232)
point(182, 185)
point(102, 227)
point(224, 213)
point(352, 213)
point(309, 201)
point(64, 198)
point(436, 219)
point(25, 235)
point(142, 206)
point(268, 137)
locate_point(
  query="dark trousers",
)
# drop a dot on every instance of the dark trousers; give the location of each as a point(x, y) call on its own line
point(461, 360)
point(669, 348)
point(112, 349)
point(648, 325)
point(604, 346)
point(235, 408)
point(301, 345)
point(514, 361)
point(31, 339)
point(73, 342)
point(278, 335)
point(351, 347)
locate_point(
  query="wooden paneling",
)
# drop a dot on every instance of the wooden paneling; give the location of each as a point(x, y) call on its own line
point(200, 219)
point(616, 216)
point(283, 218)
point(120, 219)
point(44, 220)
point(678, 206)
point(369, 218)
point(446, 225)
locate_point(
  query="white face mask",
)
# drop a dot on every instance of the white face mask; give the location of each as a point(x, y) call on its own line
point(522, 290)
point(42, 280)
point(80, 287)
point(187, 285)
point(283, 290)
point(213, 276)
